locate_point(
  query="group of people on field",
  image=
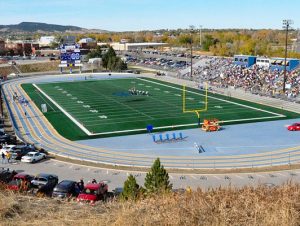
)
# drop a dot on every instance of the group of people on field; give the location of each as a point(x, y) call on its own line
point(135, 92)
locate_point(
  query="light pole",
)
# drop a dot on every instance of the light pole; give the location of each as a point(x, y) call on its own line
point(186, 61)
point(200, 34)
point(1, 104)
point(286, 25)
point(191, 30)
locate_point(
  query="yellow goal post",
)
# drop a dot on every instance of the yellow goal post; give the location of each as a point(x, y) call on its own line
point(197, 111)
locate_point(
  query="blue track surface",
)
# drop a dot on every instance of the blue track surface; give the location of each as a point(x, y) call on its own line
point(247, 138)
point(244, 145)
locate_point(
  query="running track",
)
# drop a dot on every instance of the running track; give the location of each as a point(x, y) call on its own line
point(36, 129)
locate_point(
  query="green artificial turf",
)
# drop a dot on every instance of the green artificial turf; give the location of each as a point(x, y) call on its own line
point(105, 107)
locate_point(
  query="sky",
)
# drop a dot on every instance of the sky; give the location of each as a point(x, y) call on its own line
point(135, 15)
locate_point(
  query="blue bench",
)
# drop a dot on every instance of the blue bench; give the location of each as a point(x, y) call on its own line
point(167, 137)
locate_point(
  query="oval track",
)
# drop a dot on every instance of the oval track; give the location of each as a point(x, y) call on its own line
point(36, 129)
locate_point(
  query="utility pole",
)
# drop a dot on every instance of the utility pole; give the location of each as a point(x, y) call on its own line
point(191, 30)
point(1, 104)
point(286, 25)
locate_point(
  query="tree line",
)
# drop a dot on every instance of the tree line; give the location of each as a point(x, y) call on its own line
point(265, 42)
point(223, 42)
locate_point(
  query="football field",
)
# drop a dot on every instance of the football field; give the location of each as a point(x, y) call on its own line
point(96, 108)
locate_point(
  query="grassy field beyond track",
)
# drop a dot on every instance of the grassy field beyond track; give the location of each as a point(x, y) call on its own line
point(97, 108)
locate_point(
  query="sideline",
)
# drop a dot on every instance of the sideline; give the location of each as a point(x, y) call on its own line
point(65, 112)
point(89, 133)
point(227, 101)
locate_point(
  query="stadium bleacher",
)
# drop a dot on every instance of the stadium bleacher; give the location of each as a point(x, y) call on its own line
point(257, 78)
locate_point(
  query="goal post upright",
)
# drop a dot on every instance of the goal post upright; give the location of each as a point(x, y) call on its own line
point(196, 111)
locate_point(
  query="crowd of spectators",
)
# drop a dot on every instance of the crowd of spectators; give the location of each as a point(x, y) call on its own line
point(223, 73)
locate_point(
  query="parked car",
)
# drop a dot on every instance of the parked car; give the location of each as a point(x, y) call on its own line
point(20, 150)
point(66, 189)
point(6, 138)
point(93, 192)
point(6, 175)
point(294, 127)
point(117, 191)
point(18, 180)
point(44, 183)
point(33, 157)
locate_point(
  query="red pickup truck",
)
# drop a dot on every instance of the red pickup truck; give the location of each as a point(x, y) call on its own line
point(93, 192)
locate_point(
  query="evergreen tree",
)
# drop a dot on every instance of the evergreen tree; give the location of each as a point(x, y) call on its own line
point(105, 60)
point(131, 189)
point(97, 53)
point(111, 52)
point(112, 62)
point(157, 180)
point(120, 64)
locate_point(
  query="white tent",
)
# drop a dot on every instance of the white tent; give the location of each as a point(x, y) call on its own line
point(12, 75)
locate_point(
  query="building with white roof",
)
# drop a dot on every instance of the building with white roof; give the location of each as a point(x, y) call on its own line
point(133, 46)
point(46, 40)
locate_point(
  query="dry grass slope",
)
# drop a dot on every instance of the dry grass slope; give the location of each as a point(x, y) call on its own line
point(27, 68)
point(6, 71)
point(247, 206)
point(39, 67)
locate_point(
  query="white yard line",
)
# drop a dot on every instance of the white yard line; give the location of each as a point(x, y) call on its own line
point(66, 113)
point(213, 97)
point(157, 128)
point(175, 126)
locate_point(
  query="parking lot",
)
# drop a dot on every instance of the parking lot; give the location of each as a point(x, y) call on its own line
point(171, 61)
point(116, 178)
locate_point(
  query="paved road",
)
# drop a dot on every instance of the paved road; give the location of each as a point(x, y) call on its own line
point(116, 178)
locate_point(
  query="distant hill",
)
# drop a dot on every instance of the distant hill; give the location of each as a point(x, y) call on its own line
point(43, 27)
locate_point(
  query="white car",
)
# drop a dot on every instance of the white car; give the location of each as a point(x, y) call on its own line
point(7, 148)
point(33, 157)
